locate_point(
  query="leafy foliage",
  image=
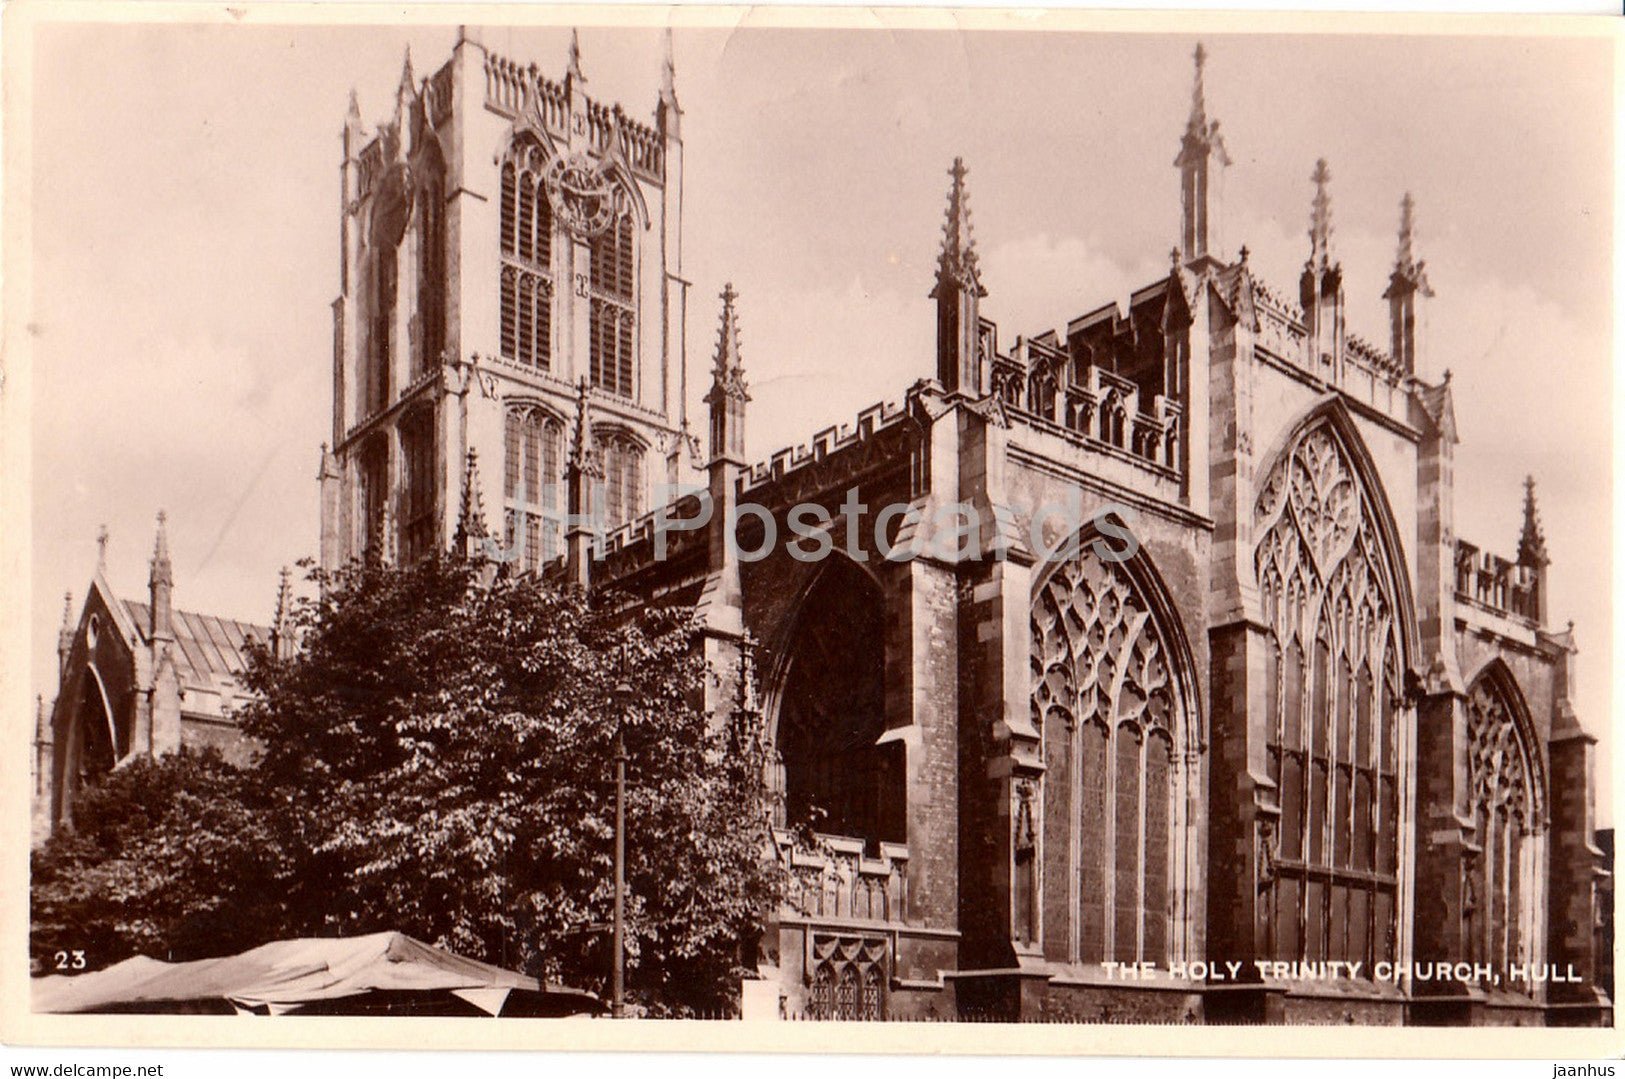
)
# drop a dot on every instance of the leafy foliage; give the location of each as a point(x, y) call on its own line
point(438, 758)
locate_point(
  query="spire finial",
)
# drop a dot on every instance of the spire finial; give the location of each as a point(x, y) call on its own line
point(575, 57)
point(1406, 259)
point(1532, 540)
point(354, 111)
point(1197, 124)
point(957, 263)
point(728, 360)
point(728, 393)
point(161, 572)
point(582, 455)
point(101, 548)
point(471, 531)
point(67, 609)
point(1320, 217)
point(668, 72)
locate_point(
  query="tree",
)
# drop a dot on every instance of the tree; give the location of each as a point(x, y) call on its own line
point(167, 857)
point(436, 758)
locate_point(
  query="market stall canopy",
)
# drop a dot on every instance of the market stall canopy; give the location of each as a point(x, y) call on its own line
point(379, 974)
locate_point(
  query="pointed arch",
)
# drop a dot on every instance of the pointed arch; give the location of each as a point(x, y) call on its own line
point(526, 234)
point(1502, 916)
point(1334, 594)
point(430, 172)
point(1332, 414)
point(1114, 698)
point(826, 703)
point(1496, 679)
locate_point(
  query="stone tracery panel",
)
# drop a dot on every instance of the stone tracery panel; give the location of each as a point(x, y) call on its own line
point(1105, 689)
point(1498, 919)
point(1335, 719)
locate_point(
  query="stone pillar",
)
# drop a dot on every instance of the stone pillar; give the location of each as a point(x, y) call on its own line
point(1575, 864)
point(1243, 804)
point(1444, 837)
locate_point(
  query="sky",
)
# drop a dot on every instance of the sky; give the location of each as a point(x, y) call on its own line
point(185, 213)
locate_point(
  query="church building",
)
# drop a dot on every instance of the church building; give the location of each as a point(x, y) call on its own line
point(139, 678)
point(1142, 676)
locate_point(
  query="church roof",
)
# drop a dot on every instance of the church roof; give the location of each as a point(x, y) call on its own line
point(210, 650)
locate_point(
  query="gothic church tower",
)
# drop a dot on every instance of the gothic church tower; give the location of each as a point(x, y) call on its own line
point(506, 238)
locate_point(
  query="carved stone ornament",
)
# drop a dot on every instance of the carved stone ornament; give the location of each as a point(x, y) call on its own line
point(582, 194)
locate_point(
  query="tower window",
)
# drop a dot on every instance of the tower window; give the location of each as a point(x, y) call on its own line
point(431, 264)
point(374, 495)
point(613, 318)
point(417, 452)
point(526, 221)
point(380, 345)
point(623, 479)
point(530, 486)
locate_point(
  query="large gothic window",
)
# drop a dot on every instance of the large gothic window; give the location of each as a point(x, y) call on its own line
point(613, 318)
point(526, 279)
point(1501, 791)
point(1107, 702)
point(1334, 711)
point(832, 712)
point(530, 485)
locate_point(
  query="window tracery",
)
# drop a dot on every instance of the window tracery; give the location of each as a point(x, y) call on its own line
point(526, 276)
point(530, 485)
point(1103, 686)
point(1500, 785)
point(1334, 713)
point(848, 978)
point(613, 317)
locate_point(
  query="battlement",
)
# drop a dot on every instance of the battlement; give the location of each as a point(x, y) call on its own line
point(508, 86)
point(1283, 333)
point(1497, 584)
point(829, 441)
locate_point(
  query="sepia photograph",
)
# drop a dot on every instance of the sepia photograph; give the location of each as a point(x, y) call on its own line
point(588, 521)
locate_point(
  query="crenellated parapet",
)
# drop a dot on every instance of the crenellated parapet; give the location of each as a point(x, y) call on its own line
point(1500, 585)
point(509, 86)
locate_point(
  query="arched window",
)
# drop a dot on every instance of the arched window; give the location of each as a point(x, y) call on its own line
point(832, 712)
point(613, 318)
point(526, 279)
point(623, 478)
point(387, 221)
point(1502, 800)
point(1107, 701)
point(1334, 713)
point(847, 976)
point(380, 338)
point(374, 475)
point(418, 457)
point(530, 486)
point(431, 262)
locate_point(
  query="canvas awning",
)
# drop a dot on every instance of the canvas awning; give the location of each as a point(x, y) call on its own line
point(379, 974)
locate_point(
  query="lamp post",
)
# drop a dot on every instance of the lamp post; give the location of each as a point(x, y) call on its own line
point(617, 974)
